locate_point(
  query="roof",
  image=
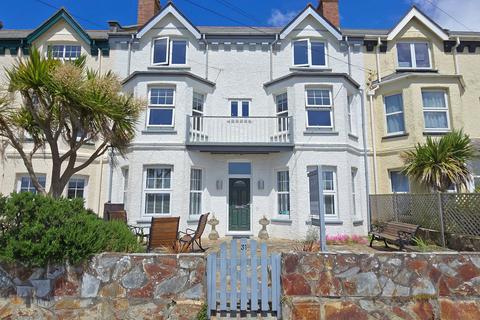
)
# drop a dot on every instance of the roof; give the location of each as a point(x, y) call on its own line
point(167, 73)
point(214, 30)
point(315, 74)
point(418, 74)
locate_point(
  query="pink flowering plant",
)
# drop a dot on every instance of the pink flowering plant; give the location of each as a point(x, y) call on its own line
point(346, 239)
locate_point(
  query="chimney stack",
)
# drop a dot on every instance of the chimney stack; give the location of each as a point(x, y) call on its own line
point(329, 10)
point(146, 10)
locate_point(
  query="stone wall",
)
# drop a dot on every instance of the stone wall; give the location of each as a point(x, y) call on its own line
point(110, 286)
point(381, 286)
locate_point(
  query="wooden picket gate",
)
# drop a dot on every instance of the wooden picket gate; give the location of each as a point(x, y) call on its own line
point(237, 285)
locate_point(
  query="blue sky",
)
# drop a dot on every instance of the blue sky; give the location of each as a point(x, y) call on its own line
point(93, 14)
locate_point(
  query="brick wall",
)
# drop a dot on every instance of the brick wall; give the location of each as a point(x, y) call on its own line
point(381, 286)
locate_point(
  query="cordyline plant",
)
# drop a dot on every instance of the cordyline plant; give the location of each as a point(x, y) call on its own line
point(63, 107)
point(441, 163)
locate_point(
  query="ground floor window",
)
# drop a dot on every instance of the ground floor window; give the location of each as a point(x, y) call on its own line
point(76, 188)
point(354, 191)
point(125, 185)
point(330, 192)
point(25, 184)
point(476, 174)
point(195, 192)
point(399, 182)
point(283, 193)
point(157, 190)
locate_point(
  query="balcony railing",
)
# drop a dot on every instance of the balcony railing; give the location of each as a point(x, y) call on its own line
point(236, 130)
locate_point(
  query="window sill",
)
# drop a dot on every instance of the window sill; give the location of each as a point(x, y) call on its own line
point(396, 135)
point(280, 221)
point(327, 132)
point(353, 136)
point(193, 220)
point(402, 70)
point(169, 67)
point(435, 133)
point(327, 222)
point(310, 68)
point(357, 223)
point(159, 131)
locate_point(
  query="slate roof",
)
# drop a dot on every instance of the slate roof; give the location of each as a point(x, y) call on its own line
point(20, 34)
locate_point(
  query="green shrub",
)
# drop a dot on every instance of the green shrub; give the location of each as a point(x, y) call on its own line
point(39, 230)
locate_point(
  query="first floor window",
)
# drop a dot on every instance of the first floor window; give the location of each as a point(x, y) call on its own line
point(157, 190)
point(352, 128)
point(354, 191)
point(169, 51)
point(329, 191)
point(283, 193)
point(319, 108)
point(414, 55)
point(65, 52)
point(25, 184)
point(76, 188)
point(399, 182)
point(394, 114)
point(239, 108)
point(196, 192)
point(281, 101)
point(435, 110)
point(125, 172)
point(161, 107)
point(308, 52)
point(197, 110)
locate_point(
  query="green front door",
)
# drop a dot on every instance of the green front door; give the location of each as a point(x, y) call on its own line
point(239, 204)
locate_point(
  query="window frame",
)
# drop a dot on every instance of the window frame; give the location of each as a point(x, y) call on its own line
point(19, 182)
point(394, 113)
point(390, 171)
point(125, 183)
point(152, 106)
point(333, 192)
point(64, 45)
point(191, 191)
point(309, 53)
point(146, 190)
point(85, 184)
point(282, 124)
point(353, 179)
point(445, 110)
point(278, 193)
point(240, 107)
point(351, 119)
point(169, 51)
point(319, 108)
point(413, 55)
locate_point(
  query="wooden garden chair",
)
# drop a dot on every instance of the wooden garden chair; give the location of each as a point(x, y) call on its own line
point(190, 236)
point(163, 233)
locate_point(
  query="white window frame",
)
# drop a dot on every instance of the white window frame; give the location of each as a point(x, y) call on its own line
point(125, 182)
point(85, 184)
point(161, 106)
point(19, 181)
point(283, 216)
point(240, 107)
point(319, 108)
point(282, 124)
point(333, 192)
point(169, 52)
point(196, 191)
point(64, 45)
point(391, 182)
point(197, 120)
point(351, 119)
point(413, 56)
point(146, 191)
point(309, 53)
point(393, 113)
point(445, 110)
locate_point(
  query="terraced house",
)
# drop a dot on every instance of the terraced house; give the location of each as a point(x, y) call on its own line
point(424, 83)
point(66, 40)
point(237, 116)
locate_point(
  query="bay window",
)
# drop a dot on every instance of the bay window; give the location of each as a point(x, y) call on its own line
point(309, 52)
point(413, 55)
point(354, 190)
point(169, 51)
point(319, 108)
point(197, 110)
point(196, 190)
point(281, 102)
point(161, 107)
point(435, 110)
point(330, 192)
point(394, 114)
point(157, 191)
point(283, 193)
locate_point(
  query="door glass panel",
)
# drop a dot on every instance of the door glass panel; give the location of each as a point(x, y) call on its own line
point(245, 108)
point(234, 108)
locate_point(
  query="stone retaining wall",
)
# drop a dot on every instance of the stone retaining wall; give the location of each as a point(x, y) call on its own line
point(110, 286)
point(381, 286)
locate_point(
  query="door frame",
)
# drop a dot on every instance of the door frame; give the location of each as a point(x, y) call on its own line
point(239, 176)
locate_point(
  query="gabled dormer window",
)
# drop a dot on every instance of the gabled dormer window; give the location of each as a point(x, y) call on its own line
point(168, 51)
point(309, 52)
point(65, 52)
point(413, 55)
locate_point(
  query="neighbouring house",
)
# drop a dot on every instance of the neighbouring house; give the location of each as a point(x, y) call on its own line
point(237, 116)
point(425, 84)
point(65, 39)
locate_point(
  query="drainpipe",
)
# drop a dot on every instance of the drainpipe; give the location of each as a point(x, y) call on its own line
point(377, 53)
point(129, 54)
point(365, 155)
point(277, 38)
point(349, 57)
point(206, 55)
point(370, 94)
point(110, 178)
point(455, 60)
point(99, 61)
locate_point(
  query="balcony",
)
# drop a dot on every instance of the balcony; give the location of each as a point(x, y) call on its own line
point(239, 135)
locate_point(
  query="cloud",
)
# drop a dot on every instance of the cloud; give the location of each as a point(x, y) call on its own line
point(279, 19)
point(462, 14)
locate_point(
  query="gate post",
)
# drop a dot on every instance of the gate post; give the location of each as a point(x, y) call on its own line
point(440, 213)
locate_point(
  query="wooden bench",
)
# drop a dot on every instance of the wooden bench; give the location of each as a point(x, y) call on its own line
point(398, 233)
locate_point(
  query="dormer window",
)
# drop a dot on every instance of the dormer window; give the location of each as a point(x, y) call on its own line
point(168, 51)
point(413, 55)
point(65, 52)
point(309, 52)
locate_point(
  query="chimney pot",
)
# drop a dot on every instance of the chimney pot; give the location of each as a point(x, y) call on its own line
point(147, 9)
point(329, 10)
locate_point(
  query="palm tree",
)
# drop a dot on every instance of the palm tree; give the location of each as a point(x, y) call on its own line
point(440, 163)
point(63, 107)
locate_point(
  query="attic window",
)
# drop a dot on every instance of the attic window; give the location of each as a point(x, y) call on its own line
point(65, 52)
point(307, 52)
point(413, 55)
point(169, 51)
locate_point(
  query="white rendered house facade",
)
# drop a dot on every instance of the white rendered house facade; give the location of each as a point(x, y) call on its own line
point(235, 118)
